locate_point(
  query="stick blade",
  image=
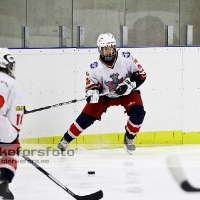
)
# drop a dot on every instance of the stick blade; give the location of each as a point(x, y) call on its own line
point(177, 172)
point(94, 196)
point(186, 186)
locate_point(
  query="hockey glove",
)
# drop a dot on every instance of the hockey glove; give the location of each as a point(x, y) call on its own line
point(125, 87)
point(92, 96)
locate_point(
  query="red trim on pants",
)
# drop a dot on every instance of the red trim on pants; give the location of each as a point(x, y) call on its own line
point(97, 109)
point(9, 149)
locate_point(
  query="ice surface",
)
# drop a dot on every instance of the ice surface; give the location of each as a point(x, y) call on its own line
point(141, 176)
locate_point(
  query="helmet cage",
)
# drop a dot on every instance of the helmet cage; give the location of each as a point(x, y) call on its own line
point(11, 68)
point(110, 56)
point(7, 62)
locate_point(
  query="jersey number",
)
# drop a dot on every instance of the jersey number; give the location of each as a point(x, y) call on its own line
point(19, 119)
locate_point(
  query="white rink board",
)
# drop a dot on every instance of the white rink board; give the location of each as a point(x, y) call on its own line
point(161, 91)
point(51, 76)
point(191, 89)
point(47, 77)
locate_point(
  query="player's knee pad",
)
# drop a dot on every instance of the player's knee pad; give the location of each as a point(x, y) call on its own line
point(137, 114)
point(84, 120)
point(10, 149)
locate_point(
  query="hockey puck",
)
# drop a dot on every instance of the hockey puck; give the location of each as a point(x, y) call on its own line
point(91, 172)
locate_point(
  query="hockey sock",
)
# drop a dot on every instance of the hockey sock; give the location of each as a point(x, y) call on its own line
point(135, 120)
point(7, 173)
point(82, 122)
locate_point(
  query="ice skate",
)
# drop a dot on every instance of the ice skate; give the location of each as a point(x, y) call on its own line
point(5, 193)
point(62, 145)
point(129, 145)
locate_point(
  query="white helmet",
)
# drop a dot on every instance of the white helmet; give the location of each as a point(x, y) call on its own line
point(7, 61)
point(106, 40)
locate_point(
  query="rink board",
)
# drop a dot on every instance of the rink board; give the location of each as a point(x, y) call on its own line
point(170, 95)
point(115, 140)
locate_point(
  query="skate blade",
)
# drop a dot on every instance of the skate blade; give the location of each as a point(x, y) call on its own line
point(129, 152)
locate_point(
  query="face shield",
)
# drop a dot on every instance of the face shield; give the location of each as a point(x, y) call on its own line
point(108, 53)
point(10, 64)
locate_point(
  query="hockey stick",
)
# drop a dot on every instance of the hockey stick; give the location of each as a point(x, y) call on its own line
point(94, 196)
point(178, 174)
point(59, 104)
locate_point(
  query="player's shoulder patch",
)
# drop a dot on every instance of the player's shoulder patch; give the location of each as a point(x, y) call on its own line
point(94, 65)
point(135, 61)
point(126, 54)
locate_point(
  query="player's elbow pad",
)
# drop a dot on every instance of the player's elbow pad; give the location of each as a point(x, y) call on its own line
point(137, 79)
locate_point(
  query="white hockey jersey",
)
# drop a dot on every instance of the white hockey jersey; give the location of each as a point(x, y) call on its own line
point(11, 108)
point(107, 79)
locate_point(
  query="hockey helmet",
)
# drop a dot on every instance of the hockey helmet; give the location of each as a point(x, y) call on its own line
point(7, 61)
point(106, 40)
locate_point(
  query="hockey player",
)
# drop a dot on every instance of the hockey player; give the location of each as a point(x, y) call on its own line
point(11, 113)
point(120, 74)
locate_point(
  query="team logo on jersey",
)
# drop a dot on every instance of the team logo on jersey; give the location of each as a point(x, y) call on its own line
point(114, 83)
point(2, 101)
point(94, 65)
point(4, 82)
point(126, 54)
